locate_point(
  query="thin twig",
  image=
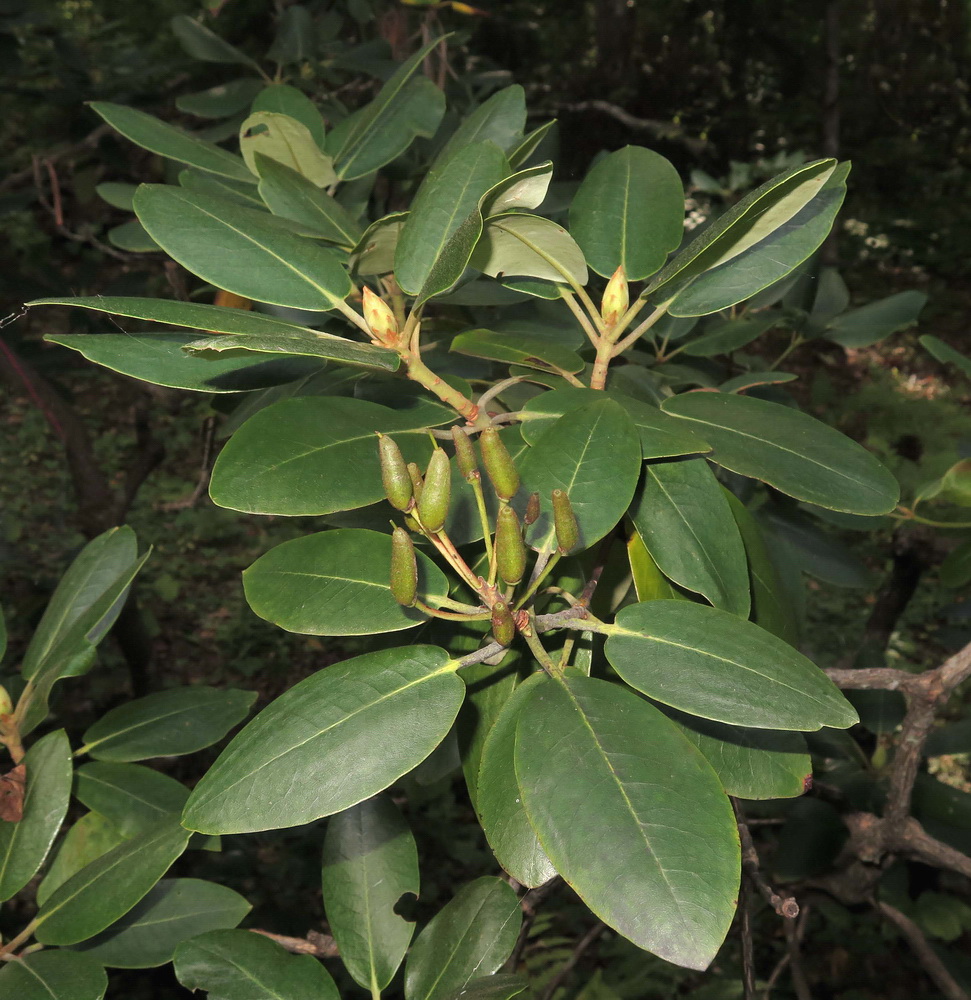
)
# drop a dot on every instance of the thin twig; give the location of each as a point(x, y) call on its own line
point(530, 904)
point(926, 955)
point(316, 944)
point(785, 906)
point(570, 964)
point(748, 951)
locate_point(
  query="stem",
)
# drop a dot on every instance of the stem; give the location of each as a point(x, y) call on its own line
point(605, 351)
point(443, 543)
point(567, 650)
point(641, 329)
point(424, 376)
point(588, 327)
point(467, 609)
point(538, 649)
point(795, 341)
point(355, 317)
point(480, 504)
point(450, 616)
point(490, 394)
point(909, 515)
point(540, 572)
point(16, 942)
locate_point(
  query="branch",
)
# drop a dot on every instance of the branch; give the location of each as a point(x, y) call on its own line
point(785, 906)
point(933, 966)
point(659, 129)
point(570, 964)
point(316, 944)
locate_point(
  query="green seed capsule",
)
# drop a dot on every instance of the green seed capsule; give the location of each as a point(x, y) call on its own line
point(404, 568)
point(503, 623)
point(464, 452)
point(565, 523)
point(510, 550)
point(417, 482)
point(436, 493)
point(532, 509)
point(394, 473)
point(499, 464)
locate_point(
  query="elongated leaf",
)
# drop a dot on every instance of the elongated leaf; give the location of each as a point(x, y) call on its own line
point(283, 99)
point(210, 185)
point(519, 244)
point(370, 862)
point(159, 137)
point(789, 450)
point(955, 571)
point(231, 965)
point(296, 37)
point(53, 975)
point(631, 803)
point(499, 802)
point(594, 455)
point(331, 741)
point(337, 583)
point(133, 237)
point(241, 250)
point(133, 798)
point(517, 348)
point(221, 101)
point(876, 320)
point(524, 189)
point(771, 259)
point(287, 141)
point(309, 345)
point(292, 196)
point(404, 107)
point(713, 664)
point(374, 253)
point(167, 724)
point(629, 212)
point(24, 845)
point(650, 584)
point(108, 888)
point(90, 837)
point(174, 911)
point(201, 43)
point(685, 522)
point(312, 456)
point(522, 153)
point(470, 937)
point(750, 763)
point(160, 358)
point(446, 198)
point(117, 195)
point(728, 336)
point(497, 987)
point(946, 354)
point(501, 119)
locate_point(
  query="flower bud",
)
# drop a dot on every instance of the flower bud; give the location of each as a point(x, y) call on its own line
point(6, 704)
point(510, 550)
point(616, 298)
point(565, 523)
point(503, 623)
point(404, 568)
point(380, 319)
point(498, 464)
point(436, 493)
point(394, 473)
point(464, 452)
point(532, 509)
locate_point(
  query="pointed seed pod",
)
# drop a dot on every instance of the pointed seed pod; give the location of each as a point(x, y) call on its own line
point(616, 298)
point(394, 473)
point(532, 509)
point(404, 568)
point(380, 319)
point(417, 483)
point(498, 464)
point(436, 493)
point(565, 523)
point(503, 623)
point(464, 452)
point(510, 550)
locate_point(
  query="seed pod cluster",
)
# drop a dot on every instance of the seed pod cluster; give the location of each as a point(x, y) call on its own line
point(510, 549)
point(436, 493)
point(464, 453)
point(394, 474)
point(498, 464)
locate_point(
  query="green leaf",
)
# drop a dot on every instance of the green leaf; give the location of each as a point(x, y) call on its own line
point(498, 987)
point(133, 798)
point(946, 354)
point(765, 263)
point(876, 320)
point(650, 584)
point(404, 107)
point(370, 862)
point(309, 345)
point(232, 965)
point(24, 845)
point(312, 455)
point(517, 349)
point(790, 450)
point(281, 98)
point(133, 237)
point(331, 741)
point(470, 937)
point(592, 453)
point(296, 37)
point(241, 250)
point(287, 141)
point(160, 358)
point(201, 43)
point(108, 888)
point(810, 840)
point(717, 666)
point(524, 189)
point(292, 196)
point(448, 196)
point(629, 212)
point(685, 522)
point(53, 975)
point(955, 571)
point(621, 798)
point(529, 245)
point(337, 583)
point(117, 195)
point(501, 119)
point(173, 143)
point(374, 253)
point(209, 185)
point(499, 802)
point(746, 223)
point(221, 101)
point(173, 911)
point(741, 383)
point(522, 153)
point(90, 837)
point(728, 336)
point(750, 763)
point(168, 724)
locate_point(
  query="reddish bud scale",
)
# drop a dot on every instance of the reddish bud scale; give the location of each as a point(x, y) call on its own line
point(464, 452)
point(498, 464)
point(380, 319)
point(503, 623)
point(394, 474)
point(436, 493)
point(532, 509)
point(404, 568)
point(564, 523)
point(510, 550)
